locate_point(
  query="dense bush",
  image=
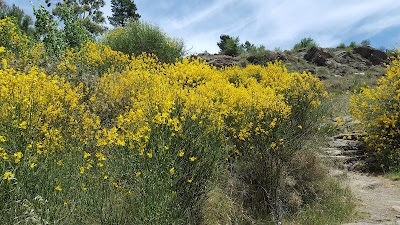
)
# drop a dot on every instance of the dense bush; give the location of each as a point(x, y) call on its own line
point(138, 37)
point(109, 138)
point(378, 109)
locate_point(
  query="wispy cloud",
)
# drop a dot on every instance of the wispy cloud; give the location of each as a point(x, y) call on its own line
point(273, 23)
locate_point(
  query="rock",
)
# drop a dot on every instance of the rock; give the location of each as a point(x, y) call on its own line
point(375, 56)
point(396, 208)
point(317, 56)
point(219, 60)
point(332, 151)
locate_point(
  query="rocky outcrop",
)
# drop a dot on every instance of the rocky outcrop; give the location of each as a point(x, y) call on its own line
point(317, 56)
point(219, 61)
point(375, 56)
point(322, 62)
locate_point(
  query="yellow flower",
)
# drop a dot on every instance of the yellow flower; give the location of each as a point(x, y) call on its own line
point(105, 177)
point(100, 165)
point(83, 187)
point(8, 176)
point(138, 173)
point(18, 156)
point(190, 180)
point(33, 165)
point(150, 154)
point(86, 155)
point(58, 188)
point(2, 139)
point(193, 158)
point(300, 127)
point(100, 156)
point(60, 162)
point(181, 153)
point(81, 170)
point(4, 155)
point(22, 125)
point(2, 49)
point(172, 170)
point(116, 185)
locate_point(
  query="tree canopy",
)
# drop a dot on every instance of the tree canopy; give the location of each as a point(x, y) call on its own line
point(88, 12)
point(123, 11)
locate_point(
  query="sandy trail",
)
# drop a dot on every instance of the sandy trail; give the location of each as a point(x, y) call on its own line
point(378, 199)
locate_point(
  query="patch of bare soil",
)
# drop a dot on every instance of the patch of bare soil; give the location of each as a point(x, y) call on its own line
point(378, 199)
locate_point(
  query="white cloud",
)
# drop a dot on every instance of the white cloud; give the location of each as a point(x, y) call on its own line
point(273, 23)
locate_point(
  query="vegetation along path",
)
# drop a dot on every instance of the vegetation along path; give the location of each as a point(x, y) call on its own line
point(377, 196)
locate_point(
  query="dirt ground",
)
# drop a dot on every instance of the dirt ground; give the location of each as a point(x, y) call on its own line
point(378, 199)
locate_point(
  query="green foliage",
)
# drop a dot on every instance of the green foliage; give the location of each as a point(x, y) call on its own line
point(305, 43)
point(123, 11)
point(75, 33)
point(88, 13)
point(47, 29)
point(353, 44)
point(138, 37)
point(393, 176)
point(58, 39)
point(342, 45)
point(230, 46)
point(24, 21)
point(335, 205)
point(365, 43)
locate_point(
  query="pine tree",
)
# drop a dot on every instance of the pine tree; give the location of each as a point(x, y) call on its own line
point(123, 11)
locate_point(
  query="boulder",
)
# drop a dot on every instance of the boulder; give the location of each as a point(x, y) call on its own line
point(317, 56)
point(375, 56)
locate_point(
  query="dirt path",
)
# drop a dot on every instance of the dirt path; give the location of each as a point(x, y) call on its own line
point(378, 199)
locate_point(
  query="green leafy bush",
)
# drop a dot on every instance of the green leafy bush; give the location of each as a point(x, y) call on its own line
point(138, 37)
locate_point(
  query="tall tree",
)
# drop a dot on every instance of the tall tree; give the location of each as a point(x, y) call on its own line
point(88, 12)
point(123, 11)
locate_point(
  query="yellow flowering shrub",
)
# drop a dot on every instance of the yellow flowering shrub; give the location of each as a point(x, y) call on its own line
point(12, 38)
point(90, 61)
point(43, 126)
point(108, 128)
point(378, 110)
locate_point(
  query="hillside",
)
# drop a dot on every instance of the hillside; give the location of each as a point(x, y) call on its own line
point(322, 62)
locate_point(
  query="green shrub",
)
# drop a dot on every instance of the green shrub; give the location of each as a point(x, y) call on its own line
point(342, 45)
point(305, 43)
point(353, 44)
point(365, 43)
point(138, 37)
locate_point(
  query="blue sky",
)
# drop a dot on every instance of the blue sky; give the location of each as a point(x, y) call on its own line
point(273, 23)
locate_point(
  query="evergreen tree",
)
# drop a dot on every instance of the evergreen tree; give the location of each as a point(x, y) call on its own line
point(229, 45)
point(123, 11)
